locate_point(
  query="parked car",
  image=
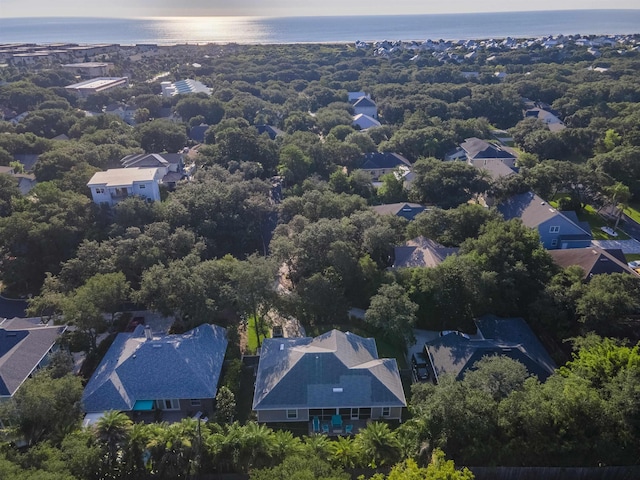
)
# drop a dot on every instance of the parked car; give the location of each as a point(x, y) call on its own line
point(419, 367)
point(454, 332)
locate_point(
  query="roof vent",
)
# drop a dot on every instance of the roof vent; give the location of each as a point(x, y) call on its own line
point(337, 390)
point(542, 203)
point(147, 332)
point(281, 346)
point(157, 345)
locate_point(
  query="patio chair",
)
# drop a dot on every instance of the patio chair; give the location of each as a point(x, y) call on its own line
point(336, 421)
point(316, 424)
point(325, 428)
point(348, 429)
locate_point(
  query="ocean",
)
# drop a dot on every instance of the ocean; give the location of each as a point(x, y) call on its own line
point(282, 30)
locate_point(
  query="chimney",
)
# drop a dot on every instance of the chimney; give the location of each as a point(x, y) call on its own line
point(147, 332)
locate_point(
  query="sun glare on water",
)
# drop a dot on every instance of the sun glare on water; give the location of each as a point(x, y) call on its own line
point(211, 29)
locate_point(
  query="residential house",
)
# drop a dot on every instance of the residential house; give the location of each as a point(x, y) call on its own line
point(354, 96)
point(403, 209)
point(196, 133)
point(126, 113)
point(173, 374)
point(377, 164)
point(510, 337)
point(552, 122)
point(366, 106)
point(476, 150)
point(24, 181)
point(557, 229)
point(421, 252)
point(171, 165)
point(26, 346)
point(116, 184)
point(335, 377)
point(495, 167)
point(593, 260)
point(273, 132)
point(364, 122)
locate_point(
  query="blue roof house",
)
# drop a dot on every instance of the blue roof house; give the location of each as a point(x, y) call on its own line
point(510, 337)
point(334, 377)
point(142, 372)
point(557, 229)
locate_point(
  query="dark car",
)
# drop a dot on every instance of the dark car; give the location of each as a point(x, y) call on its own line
point(419, 367)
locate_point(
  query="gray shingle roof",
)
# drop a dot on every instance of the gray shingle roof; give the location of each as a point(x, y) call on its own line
point(533, 211)
point(511, 337)
point(403, 209)
point(333, 370)
point(376, 160)
point(21, 350)
point(476, 148)
point(495, 167)
point(364, 102)
point(421, 252)
point(593, 260)
point(172, 366)
point(151, 160)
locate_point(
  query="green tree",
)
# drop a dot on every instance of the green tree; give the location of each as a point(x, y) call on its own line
point(439, 468)
point(112, 430)
point(255, 279)
point(378, 444)
point(225, 405)
point(392, 312)
point(46, 407)
point(392, 188)
point(159, 136)
point(446, 184)
point(608, 301)
point(8, 190)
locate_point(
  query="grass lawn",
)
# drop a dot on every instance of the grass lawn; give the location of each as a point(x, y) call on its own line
point(252, 340)
point(595, 221)
point(633, 211)
point(632, 256)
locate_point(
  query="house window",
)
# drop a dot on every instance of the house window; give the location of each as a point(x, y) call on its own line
point(169, 404)
point(195, 402)
point(554, 242)
point(142, 187)
point(99, 190)
point(386, 411)
point(355, 413)
point(554, 229)
point(292, 414)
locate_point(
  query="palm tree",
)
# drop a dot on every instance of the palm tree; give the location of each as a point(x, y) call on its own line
point(256, 447)
point(318, 446)
point(379, 444)
point(134, 451)
point(112, 431)
point(284, 444)
point(346, 453)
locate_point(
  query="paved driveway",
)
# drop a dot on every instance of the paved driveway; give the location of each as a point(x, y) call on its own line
point(627, 246)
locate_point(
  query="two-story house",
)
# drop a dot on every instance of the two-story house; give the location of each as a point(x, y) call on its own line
point(116, 184)
point(557, 229)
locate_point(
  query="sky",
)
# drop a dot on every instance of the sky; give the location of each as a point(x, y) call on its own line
point(291, 8)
